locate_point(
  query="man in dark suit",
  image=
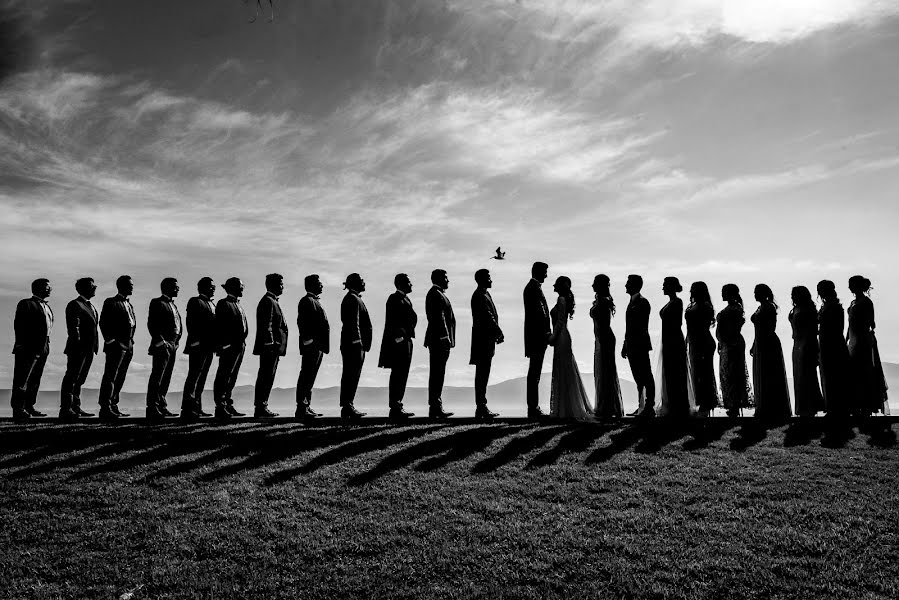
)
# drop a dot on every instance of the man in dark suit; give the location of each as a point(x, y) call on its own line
point(165, 326)
point(231, 325)
point(200, 348)
point(355, 341)
point(485, 335)
point(637, 346)
point(82, 344)
point(32, 325)
point(440, 338)
point(315, 342)
point(537, 329)
point(271, 342)
point(117, 324)
point(396, 344)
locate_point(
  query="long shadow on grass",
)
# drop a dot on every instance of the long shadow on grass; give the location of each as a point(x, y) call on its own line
point(578, 440)
point(801, 432)
point(518, 446)
point(619, 442)
point(477, 443)
point(369, 443)
point(750, 434)
point(457, 445)
point(706, 432)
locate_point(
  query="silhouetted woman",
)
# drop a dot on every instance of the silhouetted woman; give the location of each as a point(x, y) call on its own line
point(769, 374)
point(568, 398)
point(605, 370)
point(804, 320)
point(700, 316)
point(834, 355)
point(868, 388)
point(735, 392)
point(675, 400)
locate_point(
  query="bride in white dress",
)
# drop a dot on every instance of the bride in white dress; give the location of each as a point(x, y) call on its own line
point(568, 399)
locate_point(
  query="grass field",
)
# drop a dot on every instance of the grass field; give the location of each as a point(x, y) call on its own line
point(459, 510)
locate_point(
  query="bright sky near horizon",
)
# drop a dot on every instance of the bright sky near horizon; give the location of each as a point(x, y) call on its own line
point(722, 140)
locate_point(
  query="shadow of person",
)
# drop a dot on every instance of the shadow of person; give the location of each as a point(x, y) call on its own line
point(750, 433)
point(619, 442)
point(837, 434)
point(705, 432)
point(455, 445)
point(577, 440)
point(658, 433)
point(518, 446)
point(882, 437)
point(802, 431)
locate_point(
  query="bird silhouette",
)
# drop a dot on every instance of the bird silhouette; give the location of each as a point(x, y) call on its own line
point(500, 255)
point(259, 9)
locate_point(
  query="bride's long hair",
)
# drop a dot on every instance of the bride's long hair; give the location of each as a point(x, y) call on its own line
point(563, 286)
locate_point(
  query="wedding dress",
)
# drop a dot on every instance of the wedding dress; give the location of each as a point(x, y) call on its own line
point(568, 398)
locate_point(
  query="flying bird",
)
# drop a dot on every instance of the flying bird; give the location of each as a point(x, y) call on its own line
point(500, 255)
point(259, 9)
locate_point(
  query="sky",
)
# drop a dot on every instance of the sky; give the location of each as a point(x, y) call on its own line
point(714, 140)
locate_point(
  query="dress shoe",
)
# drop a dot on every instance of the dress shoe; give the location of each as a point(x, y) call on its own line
point(20, 415)
point(233, 411)
point(68, 415)
point(398, 414)
point(35, 412)
point(82, 413)
point(188, 416)
point(262, 412)
point(484, 413)
point(115, 410)
point(647, 413)
point(107, 416)
point(203, 413)
point(350, 413)
point(155, 416)
point(536, 414)
point(165, 412)
point(304, 413)
point(439, 413)
point(222, 414)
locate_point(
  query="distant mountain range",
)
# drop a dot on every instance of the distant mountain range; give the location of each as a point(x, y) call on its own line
point(506, 397)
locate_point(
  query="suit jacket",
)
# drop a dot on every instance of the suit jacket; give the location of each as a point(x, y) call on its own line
point(537, 325)
point(30, 324)
point(81, 325)
point(399, 322)
point(441, 319)
point(636, 333)
point(312, 325)
point(355, 323)
point(164, 324)
point(485, 329)
point(115, 324)
point(231, 324)
point(201, 326)
point(271, 329)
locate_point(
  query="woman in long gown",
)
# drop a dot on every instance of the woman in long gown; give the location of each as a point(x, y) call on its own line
point(868, 387)
point(833, 351)
point(568, 398)
point(735, 390)
point(804, 320)
point(769, 373)
point(605, 370)
point(700, 316)
point(674, 397)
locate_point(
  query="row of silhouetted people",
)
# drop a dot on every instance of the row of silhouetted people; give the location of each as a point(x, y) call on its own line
point(850, 368)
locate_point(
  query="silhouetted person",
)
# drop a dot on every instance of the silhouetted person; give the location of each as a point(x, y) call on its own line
point(165, 326)
point(868, 388)
point(605, 370)
point(200, 348)
point(82, 343)
point(769, 375)
point(396, 344)
point(637, 346)
point(231, 324)
point(537, 329)
point(33, 322)
point(315, 342)
point(674, 401)
point(440, 338)
point(485, 335)
point(807, 397)
point(271, 342)
point(833, 351)
point(735, 390)
point(117, 324)
point(700, 317)
point(355, 341)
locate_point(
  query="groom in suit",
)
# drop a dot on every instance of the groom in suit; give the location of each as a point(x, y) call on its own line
point(117, 324)
point(485, 335)
point(355, 341)
point(271, 342)
point(396, 344)
point(315, 341)
point(231, 325)
point(32, 324)
point(537, 329)
point(200, 348)
point(637, 346)
point(164, 324)
point(440, 338)
point(82, 344)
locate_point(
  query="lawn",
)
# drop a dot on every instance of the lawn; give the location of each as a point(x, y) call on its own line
point(458, 510)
